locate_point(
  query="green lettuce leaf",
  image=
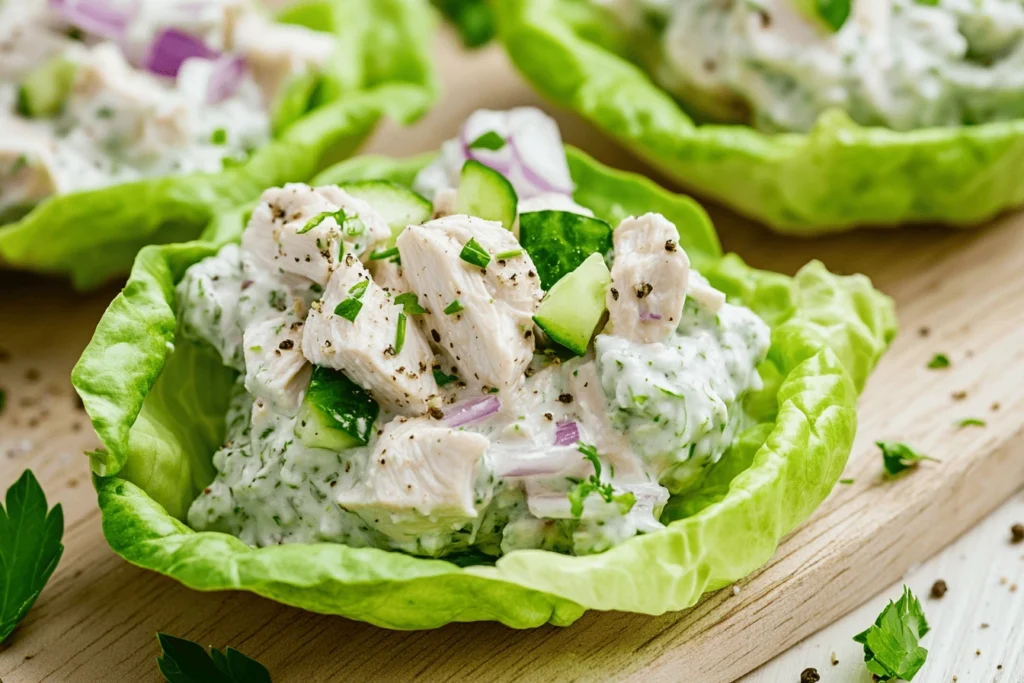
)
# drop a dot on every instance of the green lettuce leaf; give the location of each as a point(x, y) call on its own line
point(142, 390)
point(837, 176)
point(381, 68)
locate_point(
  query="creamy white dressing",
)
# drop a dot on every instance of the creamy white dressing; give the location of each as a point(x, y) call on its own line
point(903, 64)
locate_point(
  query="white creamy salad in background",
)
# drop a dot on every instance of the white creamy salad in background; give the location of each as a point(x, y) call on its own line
point(903, 64)
point(422, 376)
point(101, 92)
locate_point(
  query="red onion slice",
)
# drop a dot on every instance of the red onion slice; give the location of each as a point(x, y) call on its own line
point(498, 159)
point(473, 410)
point(567, 433)
point(537, 146)
point(535, 462)
point(647, 315)
point(227, 75)
point(171, 48)
point(95, 17)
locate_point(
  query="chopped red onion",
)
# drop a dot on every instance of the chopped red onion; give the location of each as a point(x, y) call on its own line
point(95, 17)
point(473, 410)
point(536, 144)
point(647, 315)
point(171, 48)
point(567, 433)
point(535, 462)
point(227, 75)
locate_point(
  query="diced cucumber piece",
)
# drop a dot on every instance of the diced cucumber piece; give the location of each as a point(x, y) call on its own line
point(336, 413)
point(485, 193)
point(44, 90)
point(570, 313)
point(400, 206)
point(559, 241)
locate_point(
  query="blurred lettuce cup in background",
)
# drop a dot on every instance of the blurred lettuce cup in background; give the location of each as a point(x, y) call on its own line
point(811, 116)
point(499, 382)
point(129, 122)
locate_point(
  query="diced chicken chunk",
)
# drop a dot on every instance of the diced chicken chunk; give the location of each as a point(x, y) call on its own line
point(28, 173)
point(369, 349)
point(26, 39)
point(701, 291)
point(421, 477)
point(490, 338)
point(388, 276)
point(649, 279)
point(275, 369)
point(276, 51)
point(591, 409)
point(295, 230)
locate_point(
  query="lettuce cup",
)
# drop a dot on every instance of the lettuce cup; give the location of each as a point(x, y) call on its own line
point(810, 117)
point(131, 123)
point(500, 382)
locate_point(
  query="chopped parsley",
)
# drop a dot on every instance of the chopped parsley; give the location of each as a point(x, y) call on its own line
point(971, 422)
point(358, 289)
point(183, 661)
point(30, 548)
point(386, 253)
point(400, 334)
point(593, 484)
point(350, 225)
point(442, 379)
point(846, 482)
point(453, 307)
point(833, 12)
point(475, 254)
point(898, 457)
point(219, 137)
point(891, 648)
point(511, 253)
point(939, 361)
point(350, 307)
point(410, 302)
point(489, 140)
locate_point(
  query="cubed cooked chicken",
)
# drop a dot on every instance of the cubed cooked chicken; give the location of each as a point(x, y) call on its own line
point(275, 369)
point(372, 341)
point(487, 330)
point(649, 279)
point(421, 477)
point(296, 230)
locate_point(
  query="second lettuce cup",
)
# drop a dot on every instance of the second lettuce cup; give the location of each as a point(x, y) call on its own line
point(502, 382)
point(810, 117)
point(127, 124)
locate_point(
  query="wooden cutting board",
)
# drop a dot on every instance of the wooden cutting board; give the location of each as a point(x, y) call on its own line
point(959, 293)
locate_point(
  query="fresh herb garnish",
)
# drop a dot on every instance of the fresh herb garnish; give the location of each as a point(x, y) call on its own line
point(511, 253)
point(489, 140)
point(453, 307)
point(833, 12)
point(219, 137)
point(846, 482)
point(186, 662)
point(30, 548)
point(400, 334)
point(443, 379)
point(350, 307)
point(971, 422)
point(891, 649)
point(386, 253)
point(358, 289)
point(593, 484)
point(410, 302)
point(938, 362)
point(475, 254)
point(897, 456)
point(350, 225)
point(473, 18)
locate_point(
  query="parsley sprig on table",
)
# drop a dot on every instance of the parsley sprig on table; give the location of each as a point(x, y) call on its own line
point(891, 648)
point(30, 549)
point(186, 662)
point(898, 457)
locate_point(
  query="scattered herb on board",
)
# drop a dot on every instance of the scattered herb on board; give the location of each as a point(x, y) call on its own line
point(939, 589)
point(810, 675)
point(898, 457)
point(183, 661)
point(489, 140)
point(939, 361)
point(1017, 533)
point(891, 645)
point(30, 548)
point(971, 422)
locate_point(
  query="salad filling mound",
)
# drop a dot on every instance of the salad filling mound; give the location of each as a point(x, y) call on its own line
point(902, 64)
point(492, 370)
point(101, 92)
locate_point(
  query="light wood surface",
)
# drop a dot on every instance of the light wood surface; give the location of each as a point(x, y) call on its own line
point(97, 618)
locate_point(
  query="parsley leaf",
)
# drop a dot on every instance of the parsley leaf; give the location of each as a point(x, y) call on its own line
point(350, 307)
point(383, 254)
point(349, 225)
point(971, 422)
point(489, 140)
point(897, 457)
point(400, 334)
point(593, 484)
point(475, 254)
point(30, 549)
point(186, 662)
point(834, 12)
point(443, 379)
point(939, 361)
point(410, 302)
point(453, 307)
point(891, 649)
point(219, 137)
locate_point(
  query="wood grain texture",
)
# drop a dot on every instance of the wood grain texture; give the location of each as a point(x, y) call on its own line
point(97, 618)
